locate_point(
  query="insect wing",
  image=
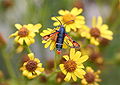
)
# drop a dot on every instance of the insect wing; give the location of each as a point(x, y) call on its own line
point(70, 42)
point(51, 36)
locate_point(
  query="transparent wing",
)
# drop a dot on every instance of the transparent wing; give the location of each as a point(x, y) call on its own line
point(70, 42)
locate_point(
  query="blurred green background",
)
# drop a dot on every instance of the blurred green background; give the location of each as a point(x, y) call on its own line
point(41, 11)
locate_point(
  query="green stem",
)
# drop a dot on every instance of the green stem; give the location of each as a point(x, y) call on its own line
point(55, 61)
point(28, 49)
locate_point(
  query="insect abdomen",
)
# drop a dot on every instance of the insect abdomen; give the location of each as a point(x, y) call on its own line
point(60, 38)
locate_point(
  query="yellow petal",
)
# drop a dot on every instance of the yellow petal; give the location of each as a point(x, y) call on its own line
point(99, 21)
point(25, 72)
point(18, 26)
point(107, 37)
point(82, 59)
point(64, 71)
point(94, 41)
point(22, 68)
point(80, 66)
point(94, 21)
point(53, 18)
point(66, 57)
point(84, 82)
point(39, 65)
point(32, 40)
point(67, 28)
point(68, 77)
point(37, 60)
point(76, 11)
point(25, 64)
point(36, 27)
point(74, 77)
point(31, 56)
point(40, 69)
point(72, 26)
point(32, 34)
point(56, 23)
point(29, 26)
point(77, 55)
point(27, 41)
point(80, 17)
point(16, 39)
point(62, 12)
point(38, 72)
point(61, 66)
point(79, 73)
point(46, 32)
point(19, 49)
point(42, 34)
point(47, 44)
point(107, 32)
point(72, 53)
point(104, 27)
point(79, 23)
point(20, 41)
point(44, 41)
point(30, 76)
point(14, 34)
point(64, 45)
point(89, 69)
point(52, 46)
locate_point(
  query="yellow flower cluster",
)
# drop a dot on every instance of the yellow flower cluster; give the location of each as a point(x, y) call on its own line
point(96, 32)
point(32, 67)
point(91, 77)
point(73, 66)
point(72, 19)
point(25, 33)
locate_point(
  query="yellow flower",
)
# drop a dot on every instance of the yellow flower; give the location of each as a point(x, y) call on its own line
point(19, 49)
point(73, 66)
point(25, 33)
point(72, 19)
point(51, 41)
point(32, 67)
point(91, 77)
point(97, 31)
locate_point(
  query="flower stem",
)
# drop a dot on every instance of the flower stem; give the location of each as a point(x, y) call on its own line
point(28, 49)
point(55, 61)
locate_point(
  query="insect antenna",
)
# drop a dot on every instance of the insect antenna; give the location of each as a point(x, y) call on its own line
point(67, 22)
point(58, 20)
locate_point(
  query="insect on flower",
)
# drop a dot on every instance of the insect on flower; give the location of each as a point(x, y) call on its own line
point(60, 36)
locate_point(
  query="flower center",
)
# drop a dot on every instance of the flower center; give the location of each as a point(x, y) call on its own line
point(68, 18)
point(95, 32)
point(31, 65)
point(23, 32)
point(70, 66)
point(90, 78)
